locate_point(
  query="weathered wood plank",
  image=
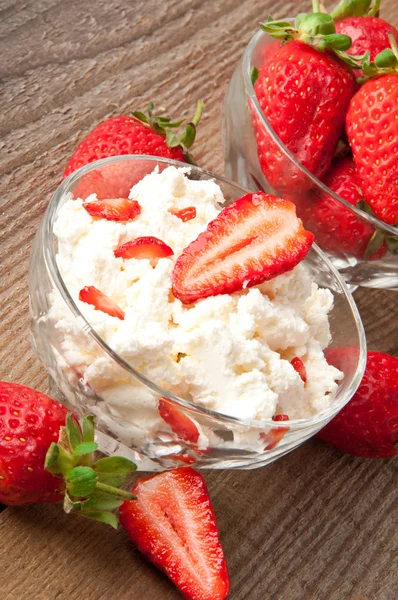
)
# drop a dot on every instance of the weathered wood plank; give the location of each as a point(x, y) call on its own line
point(314, 525)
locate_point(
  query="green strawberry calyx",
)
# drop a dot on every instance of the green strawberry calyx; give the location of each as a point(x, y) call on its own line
point(92, 487)
point(165, 126)
point(379, 236)
point(316, 29)
point(356, 8)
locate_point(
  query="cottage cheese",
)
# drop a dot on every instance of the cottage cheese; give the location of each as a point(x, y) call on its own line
point(230, 353)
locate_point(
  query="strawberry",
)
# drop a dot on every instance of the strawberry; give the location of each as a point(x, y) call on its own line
point(172, 523)
point(368, 425)
point(299, 366)
point(139, 134)
point(113, 209)
point(144, 247)
point(100, 301)
point(304, 91)
point(29, 423)
point(275, 434)
point(337, 229)
point(372, 130)
point(178, 422)
point(45, 455)
point(368, 34)
point(185, 214)
point(252, 240)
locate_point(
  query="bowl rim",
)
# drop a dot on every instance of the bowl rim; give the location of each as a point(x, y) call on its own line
point(49, 254)
point(246, 63)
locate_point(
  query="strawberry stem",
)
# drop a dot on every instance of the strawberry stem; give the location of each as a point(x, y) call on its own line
point(110, 489)
point(315, 6)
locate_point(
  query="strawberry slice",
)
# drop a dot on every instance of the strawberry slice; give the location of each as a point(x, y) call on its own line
point(173, 524)
point(91, 295)
point(144, 247)
point(298, 366)
point(275, 435)
point(252, 240)
point(113, 209)
point(185, 214)
point(178, 422)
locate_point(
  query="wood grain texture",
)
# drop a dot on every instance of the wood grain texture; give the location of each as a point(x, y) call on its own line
point(316, 525)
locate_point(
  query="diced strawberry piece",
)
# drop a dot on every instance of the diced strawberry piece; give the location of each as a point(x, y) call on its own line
point(298, 366)
point(280, 418)
point(100, 301)
point(172, 523)
point(276, 434)
point(185, 214)
point(178, 422)
point(185, 458)
point(251, 241)
point(144, 247)
point(113, 209)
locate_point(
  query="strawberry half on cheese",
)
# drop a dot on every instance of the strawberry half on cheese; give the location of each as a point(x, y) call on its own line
point(252, 240)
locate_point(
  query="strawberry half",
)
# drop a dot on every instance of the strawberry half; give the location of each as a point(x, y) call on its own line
point(172, 523)
point(144, 247)
point(91, 295)
point(178, 422)
point(113, 209)
point(185, 214)
point(298, 366)
point(252, 240)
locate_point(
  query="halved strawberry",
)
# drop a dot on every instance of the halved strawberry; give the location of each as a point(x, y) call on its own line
point(185, 214)
point(274, 435)
point(144, 247)
point(298, 366)
point(178, 422)
point(113, 209)
point(252, 240)
point(173, 524)
point(91, 295)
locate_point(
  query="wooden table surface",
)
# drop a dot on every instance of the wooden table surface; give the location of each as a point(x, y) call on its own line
point(314, 525)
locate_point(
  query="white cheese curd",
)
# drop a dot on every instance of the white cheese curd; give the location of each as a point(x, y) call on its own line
point(230, 353)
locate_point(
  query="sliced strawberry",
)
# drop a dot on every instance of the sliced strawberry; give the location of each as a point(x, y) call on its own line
point(144, 247)
point(113, 209)
point(185, 214)
point(185, 458)
point(173, 524)
point(178, 422)
point(91, 295)
point(252, 240)
point(274, 435)
point(298, 366)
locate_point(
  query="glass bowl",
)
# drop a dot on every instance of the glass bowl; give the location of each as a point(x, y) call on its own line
point(246, 129)
point(225, 442)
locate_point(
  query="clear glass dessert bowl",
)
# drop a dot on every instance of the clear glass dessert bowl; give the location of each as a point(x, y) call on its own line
point(246, 129)
point(131, 426)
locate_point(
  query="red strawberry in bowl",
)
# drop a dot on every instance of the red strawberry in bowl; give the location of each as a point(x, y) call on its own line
point(359, 20)
point(252, 240)
point(303, 91)
point(337, 229)
point(372, 130)
point(137, 134)
point(368, 425)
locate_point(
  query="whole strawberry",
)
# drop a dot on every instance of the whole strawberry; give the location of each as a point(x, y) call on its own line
point(337, 229)
point(137, 134)
point(29, 423)
point(368, 425)
point(372, 130)
point(368, 34)
point(304, 91)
